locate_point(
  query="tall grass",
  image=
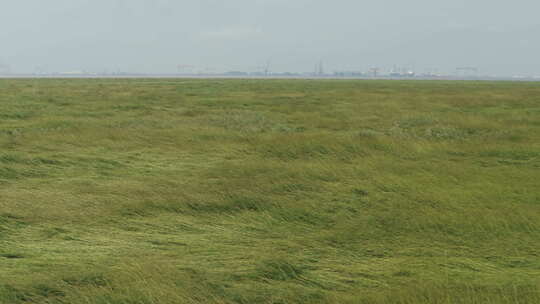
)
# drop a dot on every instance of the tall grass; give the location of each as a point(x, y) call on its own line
point(282, 191)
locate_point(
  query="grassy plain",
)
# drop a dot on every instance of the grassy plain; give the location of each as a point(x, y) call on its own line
point(278, 191)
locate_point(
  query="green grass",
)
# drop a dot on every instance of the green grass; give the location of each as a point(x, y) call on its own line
point(280, 191)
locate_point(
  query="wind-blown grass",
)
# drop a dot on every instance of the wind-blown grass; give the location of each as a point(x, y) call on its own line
point(282, 191)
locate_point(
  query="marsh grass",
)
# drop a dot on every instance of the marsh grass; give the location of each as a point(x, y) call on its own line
point(282, 191)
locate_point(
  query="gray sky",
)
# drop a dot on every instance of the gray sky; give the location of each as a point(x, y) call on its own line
point(498, 36)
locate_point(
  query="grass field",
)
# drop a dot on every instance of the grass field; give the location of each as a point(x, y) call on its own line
point(278, 191)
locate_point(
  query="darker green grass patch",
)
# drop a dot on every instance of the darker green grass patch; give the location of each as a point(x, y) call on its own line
point(16, 115)
point(19, 168)
point(12, 295)
point(11, 159)
point(54, 232)
point(47, 291)
point(454, 292)
point(231, 203)
point(19, 159)
point(10, 173)
point(12, 256)
point(87, 280)
point(522, 155)
point(279, 270)
point(301, 215)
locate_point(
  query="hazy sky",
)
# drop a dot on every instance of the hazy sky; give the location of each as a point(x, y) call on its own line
point(497, 36)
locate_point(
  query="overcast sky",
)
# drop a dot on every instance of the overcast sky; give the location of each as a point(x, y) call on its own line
point(497, 36)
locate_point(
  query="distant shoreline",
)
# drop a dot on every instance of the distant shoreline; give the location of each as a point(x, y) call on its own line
point(223, 76)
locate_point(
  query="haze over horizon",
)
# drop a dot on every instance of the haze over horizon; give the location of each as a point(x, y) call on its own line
point(154, 36)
